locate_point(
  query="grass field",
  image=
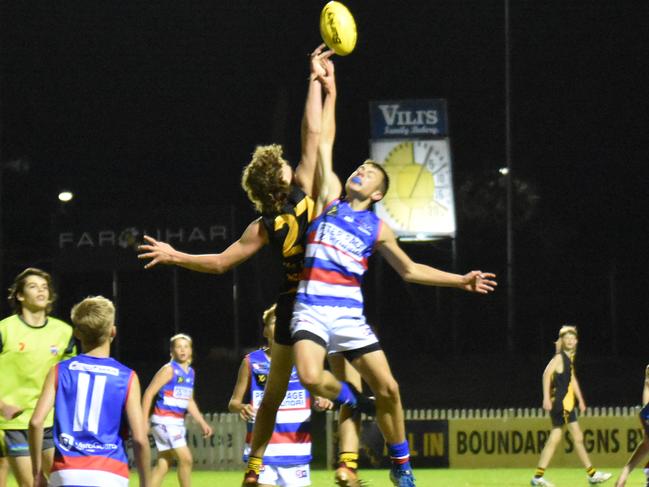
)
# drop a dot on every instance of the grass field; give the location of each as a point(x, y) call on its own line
point(561, 477)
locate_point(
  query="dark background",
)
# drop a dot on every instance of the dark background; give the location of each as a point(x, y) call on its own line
point(146, 107)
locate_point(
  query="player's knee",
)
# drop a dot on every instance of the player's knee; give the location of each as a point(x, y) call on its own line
point(185, 459)
point(310, 379)
point(388, 391)
point(578, 438)
point(555, 436)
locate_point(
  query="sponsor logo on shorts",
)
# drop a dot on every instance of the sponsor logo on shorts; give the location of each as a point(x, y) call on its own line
point(301, 474)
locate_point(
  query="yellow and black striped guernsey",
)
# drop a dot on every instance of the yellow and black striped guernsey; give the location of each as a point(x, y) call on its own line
point(562, 392)
point(287, 235)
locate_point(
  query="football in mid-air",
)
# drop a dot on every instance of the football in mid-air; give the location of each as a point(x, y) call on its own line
point(338, 28)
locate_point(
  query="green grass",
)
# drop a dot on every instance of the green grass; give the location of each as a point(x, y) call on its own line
point(561, 477)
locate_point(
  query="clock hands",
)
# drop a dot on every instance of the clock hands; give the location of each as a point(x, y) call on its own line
point(414, 186)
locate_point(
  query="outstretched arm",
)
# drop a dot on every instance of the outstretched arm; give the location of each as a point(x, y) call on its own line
point(250, 242)
point(329, 186)
point(474, 281)
point(311, 126)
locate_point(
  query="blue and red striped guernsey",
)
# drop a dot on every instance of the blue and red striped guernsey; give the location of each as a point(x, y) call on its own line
point(339, 244)
point(173, 398)
point(291, 440)
point(91, 395)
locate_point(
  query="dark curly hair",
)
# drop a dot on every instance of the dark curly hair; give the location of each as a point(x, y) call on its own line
point(262, 179)
point(18, 287)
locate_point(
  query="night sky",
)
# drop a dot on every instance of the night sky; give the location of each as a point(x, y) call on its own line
point(148, 107)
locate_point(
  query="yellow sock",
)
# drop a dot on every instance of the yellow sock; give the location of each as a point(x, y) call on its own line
point(591, 471)
point(539, 472)
point(349, 459)
point(254, 464)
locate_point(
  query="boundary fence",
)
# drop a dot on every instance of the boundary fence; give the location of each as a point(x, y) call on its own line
point(461, 438)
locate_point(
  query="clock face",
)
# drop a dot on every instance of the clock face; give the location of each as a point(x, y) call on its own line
point(419, 202)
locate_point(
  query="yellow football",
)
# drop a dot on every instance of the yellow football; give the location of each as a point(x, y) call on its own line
point(338, 28)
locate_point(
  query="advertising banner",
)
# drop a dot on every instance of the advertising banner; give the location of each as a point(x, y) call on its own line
point(408, 119)
point(428, 439)
point(108, 241)
point(517, 442)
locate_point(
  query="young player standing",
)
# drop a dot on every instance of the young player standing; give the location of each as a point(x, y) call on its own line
point(91, 394)
point(328, 312)
point(31, 342)
point(287, 457)
point(561, 393)
point(173, 388)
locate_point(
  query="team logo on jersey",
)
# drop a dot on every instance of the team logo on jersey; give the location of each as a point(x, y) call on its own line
point(21, 346)
point(66, 441)
point(333, 210)
point(181, 380)
point(54, 350)
point(261, 378)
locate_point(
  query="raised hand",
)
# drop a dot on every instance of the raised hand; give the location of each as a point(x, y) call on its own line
point(328, 79)
point(479, 282)
point(317, 58)
point(158, 252)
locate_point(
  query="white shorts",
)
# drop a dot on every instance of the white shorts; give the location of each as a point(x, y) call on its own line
point(341, 329)
point(168, 436)
point(289, 476)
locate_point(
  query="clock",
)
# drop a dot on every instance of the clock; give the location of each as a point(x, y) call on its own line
point(419, 203)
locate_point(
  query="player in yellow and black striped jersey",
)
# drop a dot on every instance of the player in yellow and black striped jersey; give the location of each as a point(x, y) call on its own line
point(284, 199)
point(561, 395)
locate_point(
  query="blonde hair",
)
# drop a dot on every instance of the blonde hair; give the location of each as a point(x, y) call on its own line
point(568, 329)
point(262, 179)
point(93, 318)
point(269, 315)
point(178, 336)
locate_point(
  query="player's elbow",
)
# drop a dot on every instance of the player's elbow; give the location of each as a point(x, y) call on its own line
point(140, 439)
point(36, 423)
point(408, 273)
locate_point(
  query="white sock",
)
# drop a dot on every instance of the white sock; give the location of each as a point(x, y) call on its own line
point(646, 472)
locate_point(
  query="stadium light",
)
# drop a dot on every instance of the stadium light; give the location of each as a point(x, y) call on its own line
point(504, 171)
point(66, 196)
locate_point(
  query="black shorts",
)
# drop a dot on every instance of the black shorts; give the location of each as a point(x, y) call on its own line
point(560, 417)
point(16, 443)
point(283, 316)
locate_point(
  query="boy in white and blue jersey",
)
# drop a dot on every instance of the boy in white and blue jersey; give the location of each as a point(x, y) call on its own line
point(288, 454)
point(328, 311)
point(173, 390)
point(92, 394)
